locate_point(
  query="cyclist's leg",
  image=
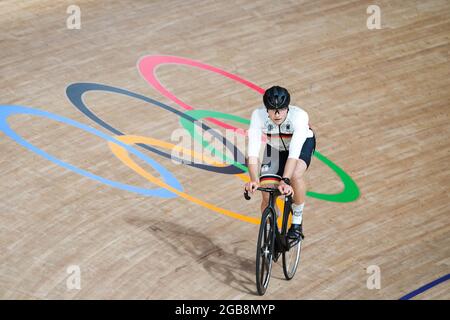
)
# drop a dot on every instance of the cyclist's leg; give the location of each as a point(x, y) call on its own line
point(299, 185)
point(298, 181)
point(265, 201)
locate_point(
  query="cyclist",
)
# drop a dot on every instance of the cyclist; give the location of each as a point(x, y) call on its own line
point(290, 146)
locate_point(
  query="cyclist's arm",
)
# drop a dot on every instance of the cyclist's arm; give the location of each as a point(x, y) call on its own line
point(254, 145)
point(253, 169)
point(289, 168)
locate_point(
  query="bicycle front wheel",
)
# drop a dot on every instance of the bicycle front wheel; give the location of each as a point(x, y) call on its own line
point(264, 251)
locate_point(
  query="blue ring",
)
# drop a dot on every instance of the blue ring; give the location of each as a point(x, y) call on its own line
point(75, 93)
point(426, 287)
point(7, 110)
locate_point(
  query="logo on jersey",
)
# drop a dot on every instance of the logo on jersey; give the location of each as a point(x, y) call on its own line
point(287, 127)
point(265, 167)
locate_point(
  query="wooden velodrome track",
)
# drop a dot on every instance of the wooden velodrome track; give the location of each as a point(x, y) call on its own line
point(378, 101)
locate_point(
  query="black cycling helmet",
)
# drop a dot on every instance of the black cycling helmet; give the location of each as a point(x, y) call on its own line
point(276, 98)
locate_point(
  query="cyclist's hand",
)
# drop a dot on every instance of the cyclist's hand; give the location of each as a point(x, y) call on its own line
point(286, 189)
point(251, 186)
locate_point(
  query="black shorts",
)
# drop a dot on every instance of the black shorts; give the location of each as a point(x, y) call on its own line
point(275, 160)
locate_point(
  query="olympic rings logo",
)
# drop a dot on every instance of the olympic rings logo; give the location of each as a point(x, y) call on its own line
point(122, 144)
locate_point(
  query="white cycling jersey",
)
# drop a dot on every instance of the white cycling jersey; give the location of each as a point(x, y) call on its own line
point(293, 131)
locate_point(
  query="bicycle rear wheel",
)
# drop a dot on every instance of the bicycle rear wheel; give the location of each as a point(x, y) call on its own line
point(264, 251)
point(291, 258)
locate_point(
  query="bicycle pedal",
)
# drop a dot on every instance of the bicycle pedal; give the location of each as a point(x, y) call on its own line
point(294, 242)
point(276, 256)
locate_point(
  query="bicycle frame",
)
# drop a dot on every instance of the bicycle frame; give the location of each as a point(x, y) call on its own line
point(280, 237)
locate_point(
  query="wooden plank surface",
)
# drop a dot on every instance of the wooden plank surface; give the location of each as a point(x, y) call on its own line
point(377, 99)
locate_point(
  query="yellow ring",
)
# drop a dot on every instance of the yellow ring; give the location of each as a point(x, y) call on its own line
point(122, 154)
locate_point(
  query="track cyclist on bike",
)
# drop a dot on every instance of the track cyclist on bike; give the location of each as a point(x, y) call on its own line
point(290, 146)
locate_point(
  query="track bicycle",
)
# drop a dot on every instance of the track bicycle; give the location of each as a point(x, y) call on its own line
point(273, 242)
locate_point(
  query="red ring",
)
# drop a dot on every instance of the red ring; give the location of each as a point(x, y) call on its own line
point(147, 67)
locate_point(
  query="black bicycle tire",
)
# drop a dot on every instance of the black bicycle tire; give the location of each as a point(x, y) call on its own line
point(261, 288)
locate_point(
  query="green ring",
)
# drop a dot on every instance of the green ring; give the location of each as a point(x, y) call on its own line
point(200, 114)
point(351, 190)
point(349, 194)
